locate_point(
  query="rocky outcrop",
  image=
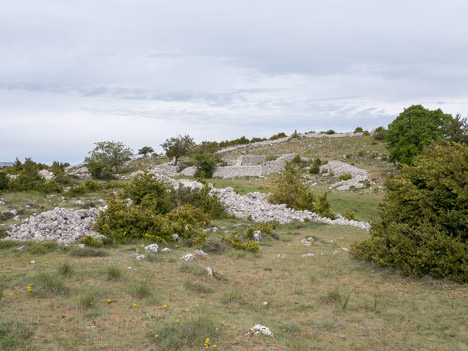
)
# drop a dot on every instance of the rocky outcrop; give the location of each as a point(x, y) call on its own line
point(62, 225)
point(47, 175)
point(80, 171)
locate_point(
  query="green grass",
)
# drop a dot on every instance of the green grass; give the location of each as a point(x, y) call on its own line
point(113, 273)
point(323, 302)
point(14, 335)
point(87, 252)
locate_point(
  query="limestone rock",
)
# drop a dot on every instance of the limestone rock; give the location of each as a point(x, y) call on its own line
point(141, 258)
point(188, 258)
point(153, 248)
point(261, 329)
point(47, 175)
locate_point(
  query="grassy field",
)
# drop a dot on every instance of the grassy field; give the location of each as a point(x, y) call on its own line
point(104, 299)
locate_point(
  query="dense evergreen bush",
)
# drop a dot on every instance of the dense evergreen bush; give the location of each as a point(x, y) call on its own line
point(423, 225)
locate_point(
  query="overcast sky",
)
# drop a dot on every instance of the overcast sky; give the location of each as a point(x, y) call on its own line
point(75, 72)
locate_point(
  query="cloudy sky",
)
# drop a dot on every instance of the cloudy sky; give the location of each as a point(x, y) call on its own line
point(75, 72)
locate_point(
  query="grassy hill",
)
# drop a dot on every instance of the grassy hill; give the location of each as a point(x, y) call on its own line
point(311, 297)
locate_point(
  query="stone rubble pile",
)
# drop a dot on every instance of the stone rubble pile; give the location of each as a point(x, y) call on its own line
point(259, 209)
point(282, 140)
point(358, 176)
point(256, 206)
point(62, 225)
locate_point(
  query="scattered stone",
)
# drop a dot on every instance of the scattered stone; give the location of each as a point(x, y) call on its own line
point(281, 256)
point(32, 262)
point(336, 252)
point(2, 202)
point(265, 303)
point(209, 271)
point(308, 241)
point(141, 258)
point(188, 258)
point(257, 235)
point(308, 255)
point(201, 253)
point(81, 246)
point(21, 248)
point(175, 236)
point(166, 249)
point(153, 248)
point(261, 329)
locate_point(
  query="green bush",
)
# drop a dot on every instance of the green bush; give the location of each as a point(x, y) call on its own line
point(423, 221)
point(88, 186)
point(350, 215)
point(379, 133)
point(200, 198)
point(345, 176)
point(414, 129)
point(288, 188)
point(156, 213)
point(28, 179)
point(107, 158)
point(206, 164)
point(238, 242)
point(278, 136)
point(3, 181)
point(358, 130)
point(315, 168)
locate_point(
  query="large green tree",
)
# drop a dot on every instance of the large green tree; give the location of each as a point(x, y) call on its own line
point(107, 158)
point(423, 224)
point(177, 146)
point(414, 129)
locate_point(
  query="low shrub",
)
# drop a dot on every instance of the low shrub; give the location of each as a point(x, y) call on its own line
point(238, 242)
point(379, 133)
point(350, 215)
point(315, 168)
point(289, 188)
point(88, 186)
point(206, 164)
point(345, 176)
point(278, 136)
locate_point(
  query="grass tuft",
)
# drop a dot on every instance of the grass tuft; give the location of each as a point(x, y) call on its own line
point(141, 290)
point(196, 286)
point(113, 273)
point(50, 285)
point(232, 297)
point(65, 269)
point(87, 300)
